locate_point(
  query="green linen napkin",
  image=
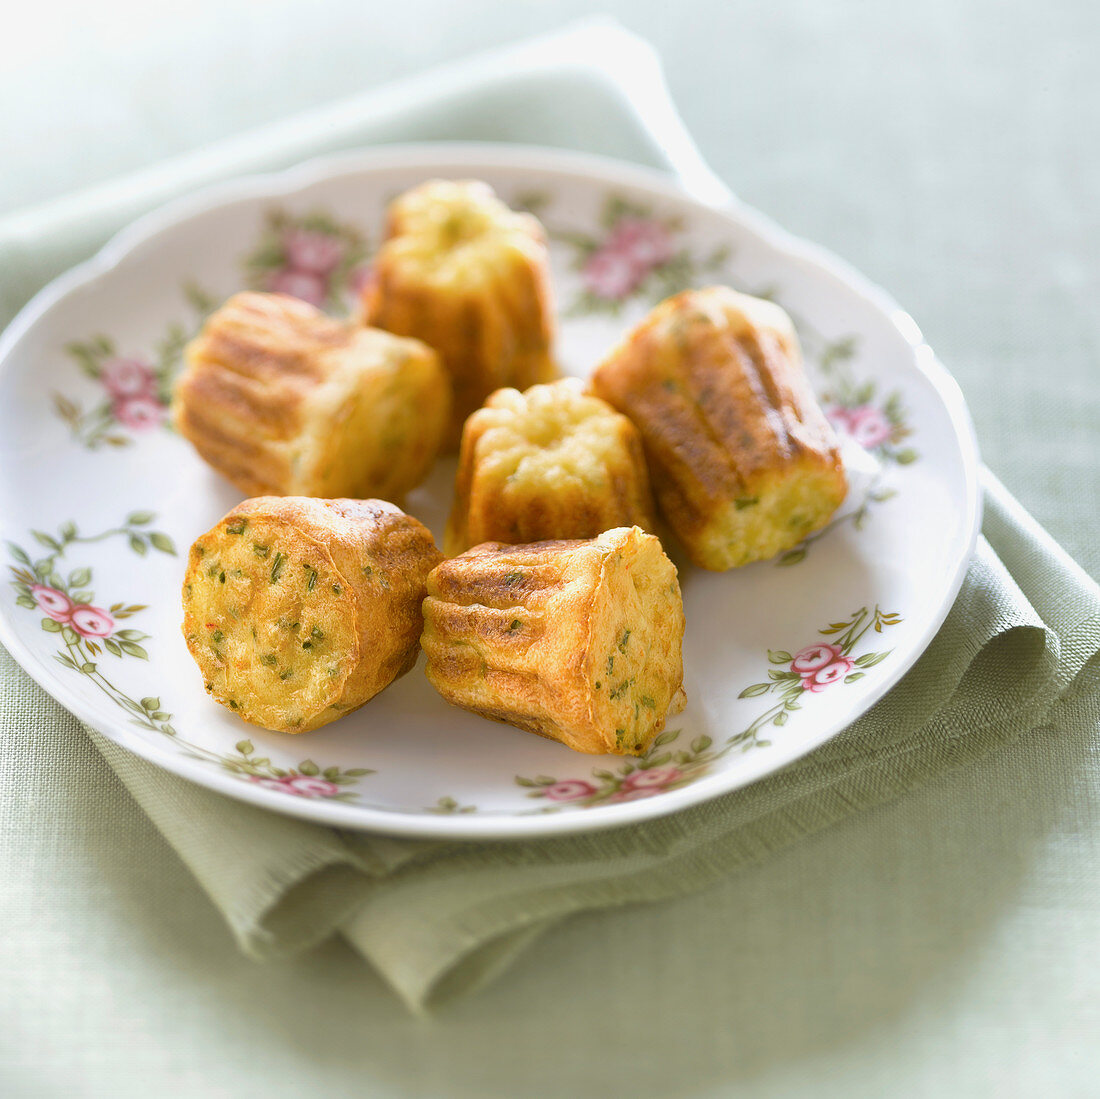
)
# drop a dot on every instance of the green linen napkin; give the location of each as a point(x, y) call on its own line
point(437, 919)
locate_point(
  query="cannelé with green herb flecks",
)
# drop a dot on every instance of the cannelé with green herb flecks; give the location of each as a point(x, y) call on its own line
point(578, 641)
point(744, 463)
point(549, 463)
point(299, 610)
point(471, 278)
point(280, 398)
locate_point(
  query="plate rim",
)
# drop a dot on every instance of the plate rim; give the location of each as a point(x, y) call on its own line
point(500, 826)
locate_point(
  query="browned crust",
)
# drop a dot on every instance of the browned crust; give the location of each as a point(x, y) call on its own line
point(259, 397)
point(517, 634)
point(552, 500)
point(722, 404)
point(487, 337)
point(382, 557)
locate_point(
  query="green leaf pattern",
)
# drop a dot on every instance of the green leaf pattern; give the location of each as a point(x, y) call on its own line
point(133, 391)
point(670, 764)
point(86, 632)
point(312, 256)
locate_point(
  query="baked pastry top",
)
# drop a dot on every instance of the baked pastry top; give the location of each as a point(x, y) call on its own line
point(549, 463)
point(299, 610)
point(744, 464)
point(578, 641)
point(470, 277)
point(281, 399)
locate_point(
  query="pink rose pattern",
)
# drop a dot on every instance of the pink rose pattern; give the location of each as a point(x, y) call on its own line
point(140, 413)
point(634, 248)
point(91, 621)
point(301, 786)
point(300, 284)
point(316, 253)
point(819, 665)
point(854, 408)
point(815, 668)
point(124, 378)
point(135, 396)
point(809, 671)
point(87, 633)
point(658, 771)
point(134, 391)
point(311, 257)
point(813, 658)
point(570, 790)
point(638, 253)
point(307, 780)
point(867, 425)
point(88, 621)
point(56, 604)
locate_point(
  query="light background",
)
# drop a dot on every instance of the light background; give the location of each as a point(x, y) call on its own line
point(950, 150)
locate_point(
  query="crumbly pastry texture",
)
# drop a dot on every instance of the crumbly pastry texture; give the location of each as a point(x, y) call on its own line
point(471, 278)
point(281, 399)
point(550, 463)
point(744, 464)
point(299, 610)
point(578, 641)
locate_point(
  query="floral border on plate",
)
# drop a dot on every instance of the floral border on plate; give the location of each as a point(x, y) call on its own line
point(88, 633)
point(637, 256)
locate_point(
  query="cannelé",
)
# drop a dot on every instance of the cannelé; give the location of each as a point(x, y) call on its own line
point(743, 462)
point(281, 399)
point(550, 463)
point(578, 641)
point(299, 610)
point(471, 278)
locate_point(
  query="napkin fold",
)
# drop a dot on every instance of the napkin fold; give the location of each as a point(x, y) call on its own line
point(1019, 648)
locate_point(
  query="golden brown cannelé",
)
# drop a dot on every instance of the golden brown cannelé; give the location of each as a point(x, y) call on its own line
point(743, 462)
point(471, 278)
point(550, 463)
point(298, 610)
point(578, 641)
point(281, 399)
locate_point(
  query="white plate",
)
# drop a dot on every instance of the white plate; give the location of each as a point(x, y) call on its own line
point(95, 492)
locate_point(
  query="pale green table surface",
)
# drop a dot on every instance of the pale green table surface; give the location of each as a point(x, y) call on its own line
point(946, 944)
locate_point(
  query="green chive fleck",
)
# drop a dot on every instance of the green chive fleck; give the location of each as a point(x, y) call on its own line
point(238, 527)
point(270, 659)
point(311, 583)
point(260, 551)
point(622, 688)
point(277, 567)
